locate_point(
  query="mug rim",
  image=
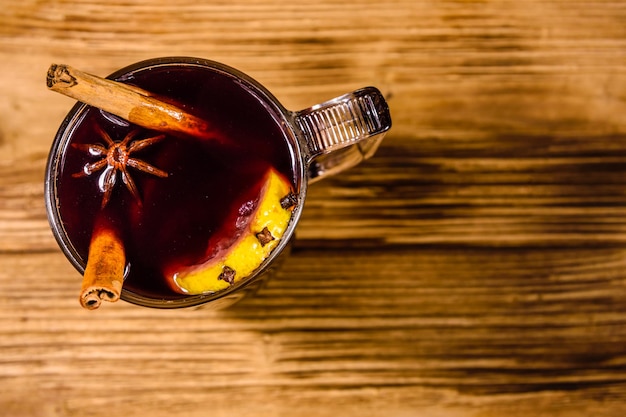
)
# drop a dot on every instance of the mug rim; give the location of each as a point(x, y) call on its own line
point(297, 155)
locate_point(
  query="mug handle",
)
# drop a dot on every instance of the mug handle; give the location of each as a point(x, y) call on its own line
point(344, 131)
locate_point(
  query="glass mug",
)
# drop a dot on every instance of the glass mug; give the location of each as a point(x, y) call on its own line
point(308, 145)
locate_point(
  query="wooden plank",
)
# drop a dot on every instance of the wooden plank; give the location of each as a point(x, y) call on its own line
point(475, 266)
point(436, 328)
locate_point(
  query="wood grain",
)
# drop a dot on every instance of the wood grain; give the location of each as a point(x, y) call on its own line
point(474, 267)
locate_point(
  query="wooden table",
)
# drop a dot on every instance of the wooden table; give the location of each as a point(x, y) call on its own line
point(476, 266)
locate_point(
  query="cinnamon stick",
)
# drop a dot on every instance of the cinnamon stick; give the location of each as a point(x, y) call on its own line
point(128, 102)
point(104, 273)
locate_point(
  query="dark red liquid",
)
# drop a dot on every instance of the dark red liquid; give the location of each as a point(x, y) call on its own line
point(207, 180)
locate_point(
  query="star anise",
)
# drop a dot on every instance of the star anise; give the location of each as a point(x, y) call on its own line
point(117, 157)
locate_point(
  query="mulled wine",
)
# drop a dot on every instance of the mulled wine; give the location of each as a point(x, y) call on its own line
point(177, 200)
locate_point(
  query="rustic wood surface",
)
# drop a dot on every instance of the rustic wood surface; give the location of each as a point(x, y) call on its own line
point(476, 266)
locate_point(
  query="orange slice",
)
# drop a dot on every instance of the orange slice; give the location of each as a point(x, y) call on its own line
point(267, 225)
